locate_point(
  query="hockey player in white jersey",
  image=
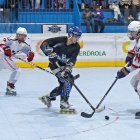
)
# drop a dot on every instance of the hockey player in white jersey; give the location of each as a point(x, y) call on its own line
point(14, 46)
point(133, 58)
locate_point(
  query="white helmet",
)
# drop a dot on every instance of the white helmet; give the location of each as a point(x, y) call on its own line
point(22, 31)
point(134, 26)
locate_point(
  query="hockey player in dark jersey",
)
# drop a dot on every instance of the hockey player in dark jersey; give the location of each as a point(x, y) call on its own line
point(62, 53)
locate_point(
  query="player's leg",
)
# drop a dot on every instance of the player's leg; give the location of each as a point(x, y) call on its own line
point(64, 96)
point(13, 77)
point(47, 99)
point(135, 82)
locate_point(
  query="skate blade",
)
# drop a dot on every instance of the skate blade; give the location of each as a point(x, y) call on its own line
point(137, 117)
point(42, 100)
point(67, 111)
point(11, 94)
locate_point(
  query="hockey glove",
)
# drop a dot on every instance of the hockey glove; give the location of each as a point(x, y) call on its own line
point(48, 51)
point(30, 56)
point(53, 58)
point(66, 72)
point(7, 51)
point(122, 73)
point(129, 58)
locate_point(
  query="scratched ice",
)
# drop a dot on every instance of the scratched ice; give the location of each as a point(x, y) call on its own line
point(24, 117)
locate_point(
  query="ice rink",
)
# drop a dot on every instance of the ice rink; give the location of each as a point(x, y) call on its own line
point(24, 117)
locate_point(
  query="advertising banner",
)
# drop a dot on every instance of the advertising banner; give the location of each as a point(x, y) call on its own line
point(99, 48)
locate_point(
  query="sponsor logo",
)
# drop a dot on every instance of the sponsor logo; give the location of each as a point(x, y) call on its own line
point(125, 45)
point(92, 53)
point(54, 29)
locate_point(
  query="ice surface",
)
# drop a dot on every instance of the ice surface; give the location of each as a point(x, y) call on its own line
point(24, 117)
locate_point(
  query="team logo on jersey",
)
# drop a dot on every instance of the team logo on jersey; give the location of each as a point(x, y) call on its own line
point(54, 29)
point(63, 58)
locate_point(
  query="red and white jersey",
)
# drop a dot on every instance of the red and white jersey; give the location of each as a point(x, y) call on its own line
point(20, 49)
point(136, 50)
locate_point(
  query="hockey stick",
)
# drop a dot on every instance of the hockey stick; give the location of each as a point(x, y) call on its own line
point(90, 115)
point(32, 64)
point(83, 114)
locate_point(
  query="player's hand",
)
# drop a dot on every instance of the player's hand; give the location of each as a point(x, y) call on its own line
point(7, 51)
point(122, 73)
point(66, 72)
point(30, 56)
point(129, 58)
point(48, 51)
point(53, 58)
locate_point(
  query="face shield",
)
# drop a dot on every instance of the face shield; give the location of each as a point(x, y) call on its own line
point(74, 38)
point(21, 37)
point(132, 35)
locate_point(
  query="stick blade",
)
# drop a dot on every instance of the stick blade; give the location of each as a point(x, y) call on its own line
point(98, 110)
point(85, 115)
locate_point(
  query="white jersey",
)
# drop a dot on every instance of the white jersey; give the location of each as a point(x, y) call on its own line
point(136, 60)
point(20, 49)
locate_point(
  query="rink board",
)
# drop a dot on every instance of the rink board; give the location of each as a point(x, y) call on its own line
point(97, 50)
point(78, 64)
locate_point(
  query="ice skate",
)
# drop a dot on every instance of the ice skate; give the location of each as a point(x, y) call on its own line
point(66, 108)
point(46, 100)
point(10, 90)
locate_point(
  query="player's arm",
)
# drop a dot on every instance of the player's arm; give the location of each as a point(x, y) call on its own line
point(5, 45)
point(130, 56)
point(129, 62)
point(69, 65)
point(125, 71)
point(48, 45)
point(25, 53)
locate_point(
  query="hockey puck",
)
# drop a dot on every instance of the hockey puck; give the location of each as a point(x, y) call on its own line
point(107, 117)
point(137, 115)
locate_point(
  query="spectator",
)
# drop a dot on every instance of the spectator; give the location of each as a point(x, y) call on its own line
point(24, 3)
point(38, 4)
point(1, 10)
point(87, 17)
point(113, 1)
point(98, 20)
point(87, 2)
point(11, 10)
point(130, 18)
point(32, 3)
point(135, 6)
point(117, 12)
point(127, 16)
point(138, 16)
point(48, 4)
point(122, 3)
point(99, 3)
point(82, 6)
point(60, 4)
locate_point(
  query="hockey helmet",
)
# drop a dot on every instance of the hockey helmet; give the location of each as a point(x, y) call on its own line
point(22, 31)
point(75, 31)
point(134, 30)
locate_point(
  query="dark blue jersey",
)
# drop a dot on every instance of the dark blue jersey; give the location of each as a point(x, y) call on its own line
point(66, 54)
